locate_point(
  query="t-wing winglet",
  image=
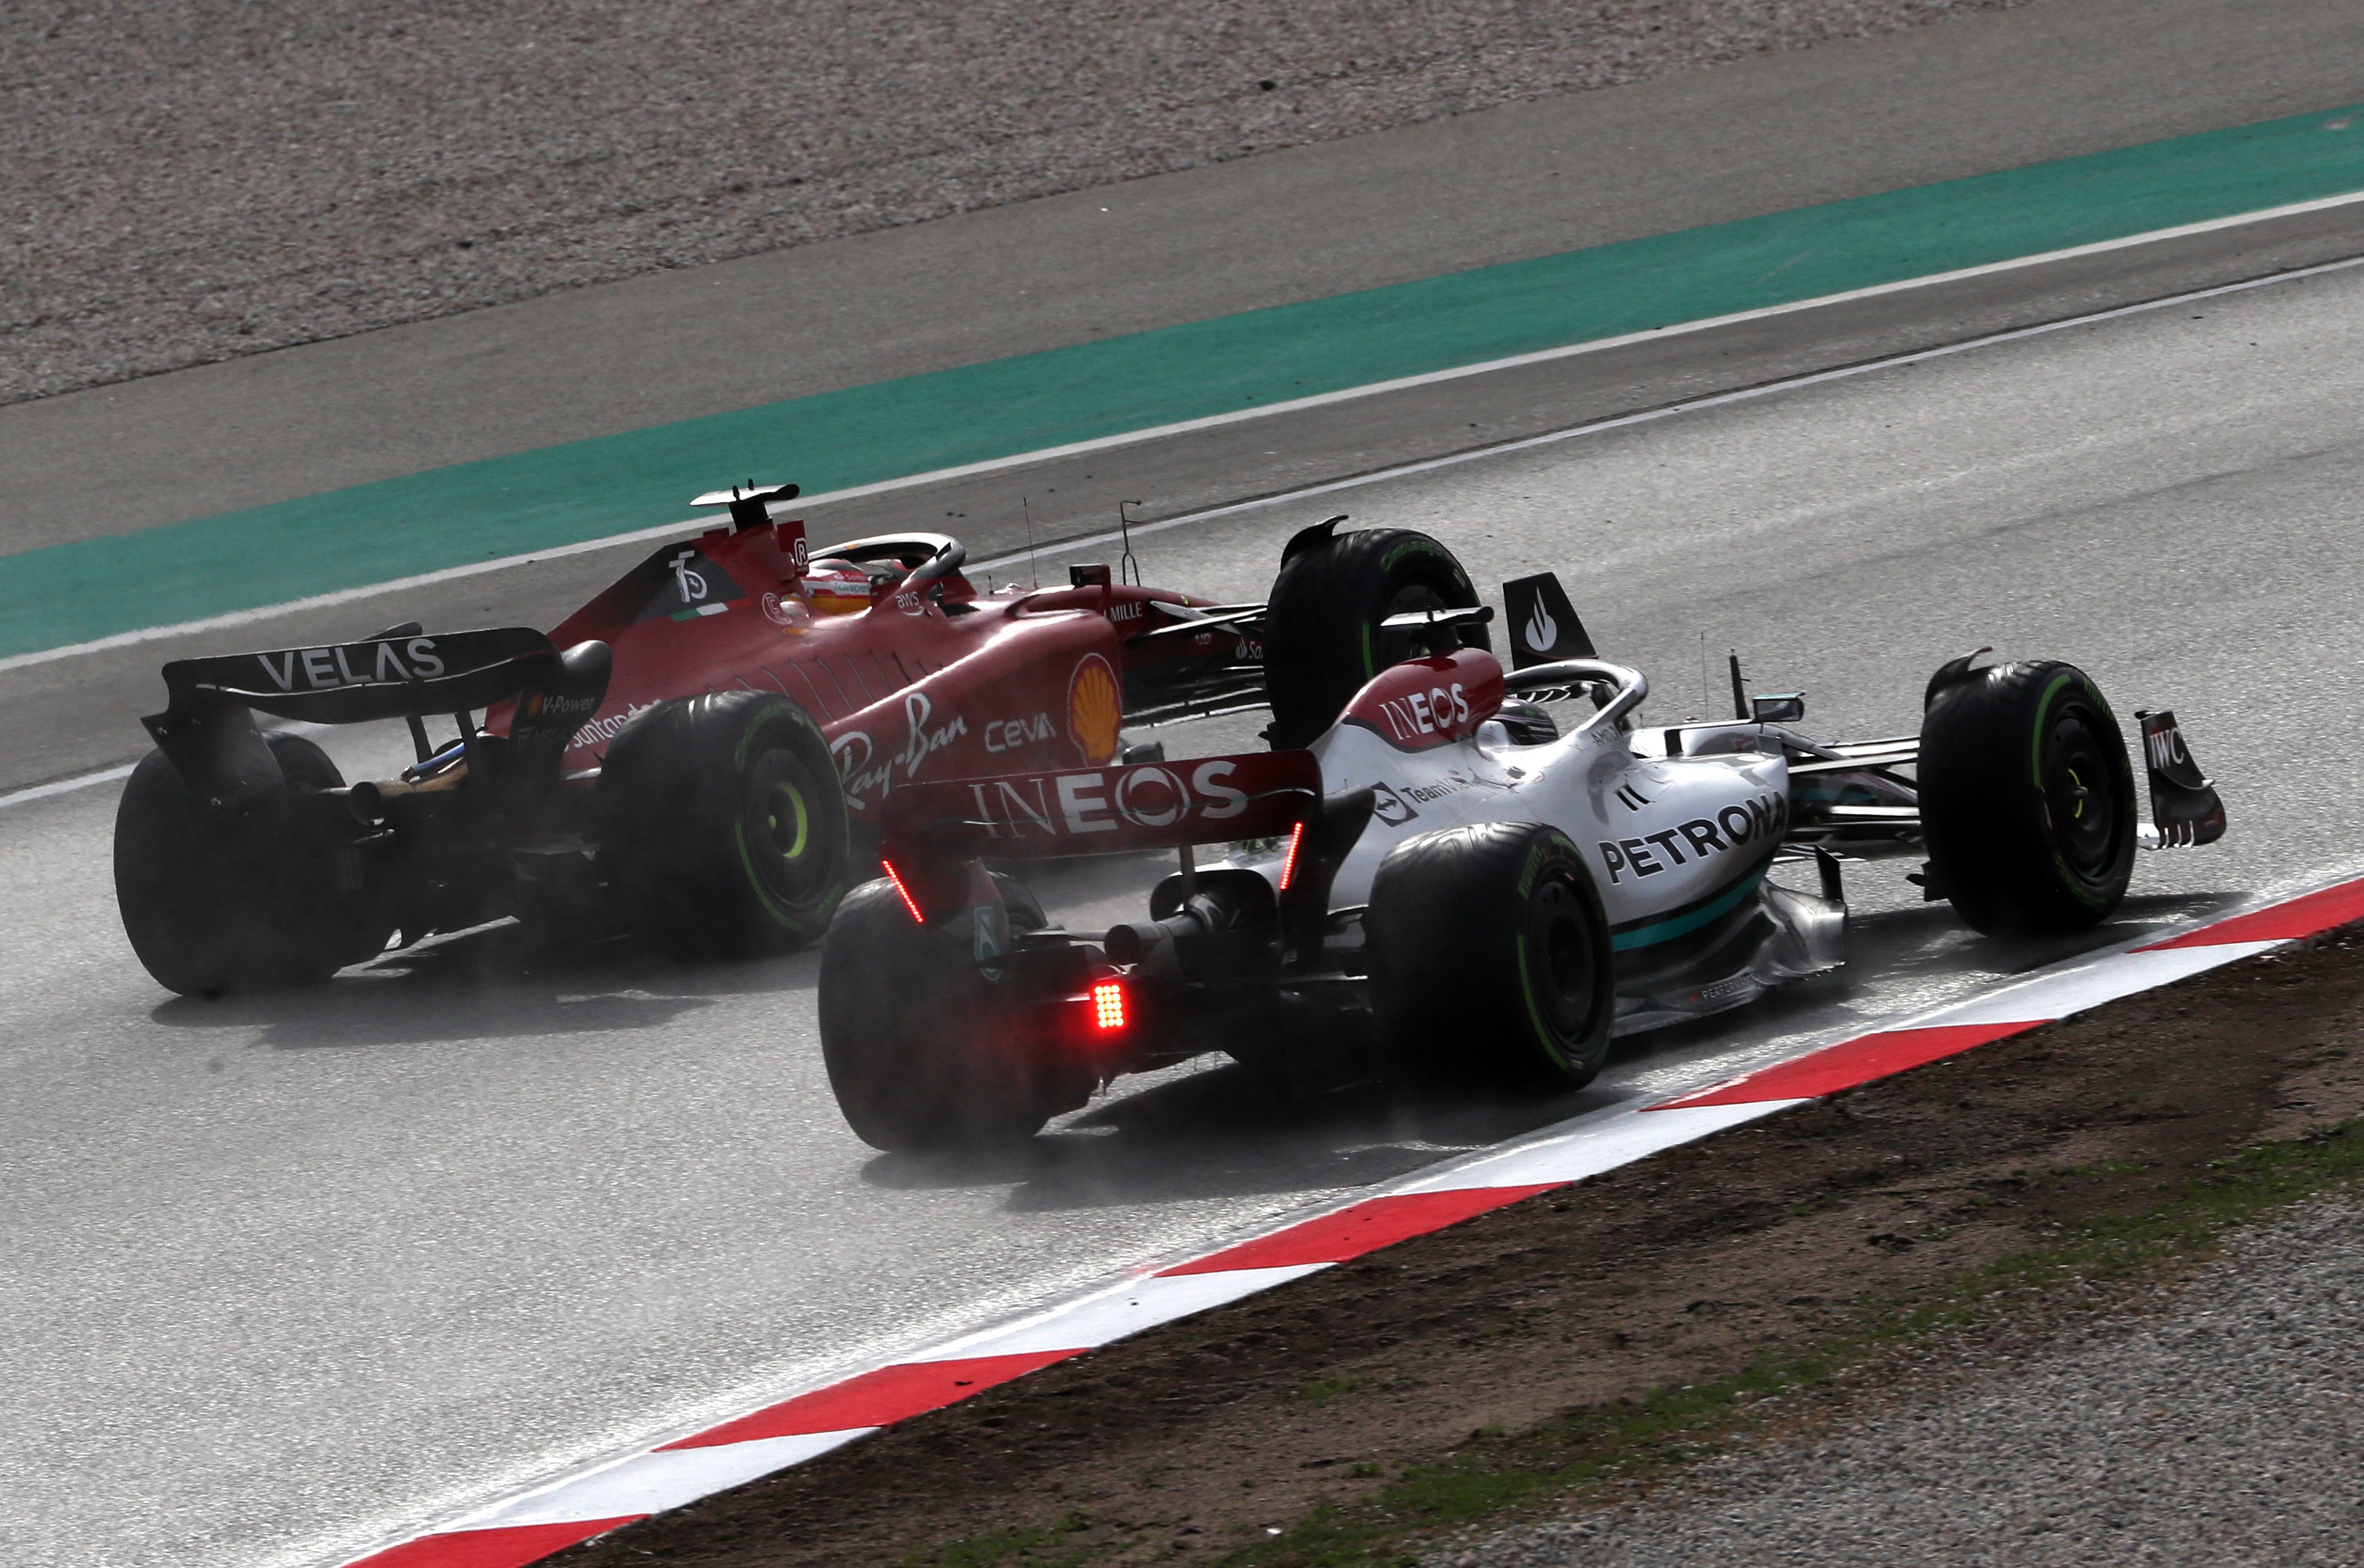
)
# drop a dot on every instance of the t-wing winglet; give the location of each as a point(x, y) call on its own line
point(750, 503)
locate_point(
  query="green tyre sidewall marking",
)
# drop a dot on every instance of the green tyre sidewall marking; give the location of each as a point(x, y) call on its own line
point(1534, 1014)
point(1537, 856)
point(1534, 864)
point(1388, 563)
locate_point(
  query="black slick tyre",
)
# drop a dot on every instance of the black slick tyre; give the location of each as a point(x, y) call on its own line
point(1489, 957)
point(2027, 799)
point(722, 829)
point(921, 1052)
point(214, 905)
point(1323, 638)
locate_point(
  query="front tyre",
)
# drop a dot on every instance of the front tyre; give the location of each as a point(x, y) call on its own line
point(1323, 638)
point(1489, 957)
point(922, 1055)
point(2027, 799)
point(722, 829)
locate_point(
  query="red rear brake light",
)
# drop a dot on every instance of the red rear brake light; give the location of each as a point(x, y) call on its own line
point(1107, 1005)
point(1289, 862)
point(902, 892)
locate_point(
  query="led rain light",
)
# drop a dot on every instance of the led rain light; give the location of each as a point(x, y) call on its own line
point(1289, 862)
point(902, 892)
point(1107, 1005)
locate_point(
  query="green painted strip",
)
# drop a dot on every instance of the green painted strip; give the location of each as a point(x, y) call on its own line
point(1684, 925)
point(587, 490)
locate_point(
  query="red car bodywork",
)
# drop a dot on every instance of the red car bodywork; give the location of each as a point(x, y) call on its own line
point(940, 684)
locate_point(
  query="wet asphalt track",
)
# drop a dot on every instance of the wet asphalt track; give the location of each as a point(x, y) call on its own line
point(287, 1274)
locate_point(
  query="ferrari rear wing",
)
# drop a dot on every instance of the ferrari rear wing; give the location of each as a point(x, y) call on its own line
point(207, 726)
point(392, 676)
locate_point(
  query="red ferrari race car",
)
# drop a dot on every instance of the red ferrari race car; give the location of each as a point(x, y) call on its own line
point(690, 757)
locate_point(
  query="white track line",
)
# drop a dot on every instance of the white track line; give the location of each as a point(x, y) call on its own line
point(1346, 395)
point(1648, 416)
point(121, 771)
point(64, 786)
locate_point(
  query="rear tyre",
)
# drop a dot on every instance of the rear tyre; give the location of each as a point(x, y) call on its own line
point(1489, 957)
point(722, 829)
point(922, 1053)
point(2027, 799)
point(1322, 638)
point(215, 904)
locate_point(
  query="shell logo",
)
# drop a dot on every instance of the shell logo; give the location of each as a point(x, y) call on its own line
point(1095, 708)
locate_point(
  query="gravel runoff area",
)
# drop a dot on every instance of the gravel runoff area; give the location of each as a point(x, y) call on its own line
point(2222, 1426)
point(186, 181)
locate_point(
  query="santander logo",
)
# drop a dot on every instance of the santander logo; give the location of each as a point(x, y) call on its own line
point(1541, 632)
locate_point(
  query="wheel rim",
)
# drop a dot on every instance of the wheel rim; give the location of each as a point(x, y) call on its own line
point(1563, 981)
point(2080, 796)
point(782, 847)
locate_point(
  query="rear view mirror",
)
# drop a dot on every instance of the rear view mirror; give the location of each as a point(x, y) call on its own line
point(1778, 708)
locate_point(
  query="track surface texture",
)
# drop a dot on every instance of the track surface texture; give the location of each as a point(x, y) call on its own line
point(304, 1272)
point(312, 1269)
point(192, 182)
point(2218, 1427)
point(1679, 1270)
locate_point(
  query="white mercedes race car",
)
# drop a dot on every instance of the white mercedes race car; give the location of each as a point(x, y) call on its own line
point(1428, 877)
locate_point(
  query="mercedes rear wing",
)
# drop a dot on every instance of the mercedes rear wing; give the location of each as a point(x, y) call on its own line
point(1113, 809)
point(938, 834)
